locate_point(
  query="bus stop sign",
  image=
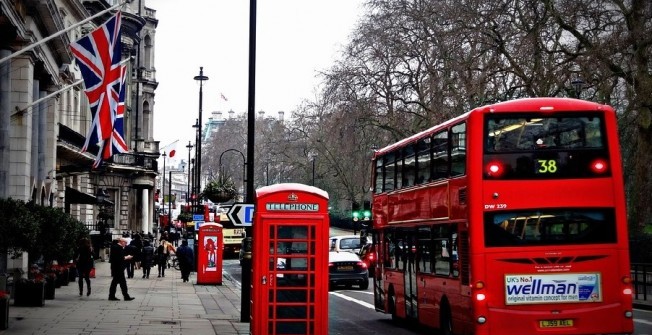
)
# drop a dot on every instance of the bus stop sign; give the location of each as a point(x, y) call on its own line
point(241, 214)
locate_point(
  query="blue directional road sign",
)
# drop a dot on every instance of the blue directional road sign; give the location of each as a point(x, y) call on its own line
point(241, 214)
point(198, 217)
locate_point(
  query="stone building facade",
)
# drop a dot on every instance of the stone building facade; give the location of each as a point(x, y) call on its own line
point(45, 117)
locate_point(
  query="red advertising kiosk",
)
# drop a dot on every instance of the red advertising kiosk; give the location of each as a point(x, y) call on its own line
point(290, 268)
point(209, 254)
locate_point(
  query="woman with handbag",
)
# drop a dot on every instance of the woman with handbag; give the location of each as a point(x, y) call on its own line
point(84, 264)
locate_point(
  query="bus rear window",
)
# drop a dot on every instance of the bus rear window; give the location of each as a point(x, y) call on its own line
point(549, 227)
point(545, 147)
point(533, 132)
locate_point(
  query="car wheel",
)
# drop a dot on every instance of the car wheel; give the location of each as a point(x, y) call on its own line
point(364, 285)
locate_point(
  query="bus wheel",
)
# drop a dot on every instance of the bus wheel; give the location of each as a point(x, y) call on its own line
point(445, 320)
point(391, 301)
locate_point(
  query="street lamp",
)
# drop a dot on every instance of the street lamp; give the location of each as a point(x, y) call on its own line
point(163, 186)
point(313, 156)
point(189, 146)
point(577, 84)
point(244, 168)
point(201, 78)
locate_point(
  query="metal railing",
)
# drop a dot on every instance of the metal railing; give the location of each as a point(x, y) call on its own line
point(642, 280)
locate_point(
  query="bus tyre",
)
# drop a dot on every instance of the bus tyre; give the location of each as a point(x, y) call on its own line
point(445, 320)
point(391, 307)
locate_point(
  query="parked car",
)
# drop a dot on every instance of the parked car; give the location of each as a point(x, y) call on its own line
point(349, 243)
point(346, 268)
point(369, 256)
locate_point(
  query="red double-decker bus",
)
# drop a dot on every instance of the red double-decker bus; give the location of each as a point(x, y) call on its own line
point(509, 219)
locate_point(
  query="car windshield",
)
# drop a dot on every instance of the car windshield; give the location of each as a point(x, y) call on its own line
point(350, 243)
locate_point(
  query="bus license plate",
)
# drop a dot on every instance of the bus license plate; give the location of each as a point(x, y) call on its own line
point(555, 323)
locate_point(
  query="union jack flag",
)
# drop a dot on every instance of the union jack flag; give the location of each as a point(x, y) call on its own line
point(98, 55)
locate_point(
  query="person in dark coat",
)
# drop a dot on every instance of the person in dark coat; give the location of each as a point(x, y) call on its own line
point(84, 263)
point(147, 258)
point(131, 250)
point(118, 260)
point(186, 257)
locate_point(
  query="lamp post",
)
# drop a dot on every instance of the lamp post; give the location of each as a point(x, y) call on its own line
point(189, 146)
point(313, 156)
point(169, 200)
point(201, 78)
point(245, 304)
point(163, 186)
point(244, 168)
point(195, 175)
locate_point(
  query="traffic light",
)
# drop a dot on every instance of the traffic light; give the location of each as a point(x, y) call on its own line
point(366, 212)
point(355, 211)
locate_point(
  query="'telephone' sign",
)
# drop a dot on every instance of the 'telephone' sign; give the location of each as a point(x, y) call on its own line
point(293, 207)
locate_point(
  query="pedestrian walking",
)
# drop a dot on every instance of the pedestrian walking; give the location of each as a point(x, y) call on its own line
point(186, 258)
point(147, 258)
point(118, 260)
point(84, 263)
point(162, 256)
point(132, 251)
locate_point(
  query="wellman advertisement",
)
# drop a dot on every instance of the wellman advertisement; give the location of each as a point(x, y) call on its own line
point(553, 288)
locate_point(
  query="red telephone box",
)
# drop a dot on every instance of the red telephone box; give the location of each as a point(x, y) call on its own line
point(209, 254)
point(290, 268)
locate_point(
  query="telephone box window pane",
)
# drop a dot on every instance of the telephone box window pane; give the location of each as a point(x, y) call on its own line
point(292, 280)
point(297, 264)
point(299, 248)
point(271, 248)
point(291, 312)
point(290, 327)
point(312, 247)
point(312, 312)
point(290, 295)
point(312, 294)
point(272, 231)
point(313, 232)
point(292, 232)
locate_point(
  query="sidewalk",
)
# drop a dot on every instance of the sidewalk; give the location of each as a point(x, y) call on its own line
point(162, 306)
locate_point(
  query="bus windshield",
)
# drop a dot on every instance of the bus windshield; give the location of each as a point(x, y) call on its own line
point(549, 227)
point(533, 132)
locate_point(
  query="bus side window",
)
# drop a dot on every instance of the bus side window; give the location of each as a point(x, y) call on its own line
point(442, 257)
point(409, 166)
point(458, 150)
point(439, 165)
point(423, 160)
point(424, 250)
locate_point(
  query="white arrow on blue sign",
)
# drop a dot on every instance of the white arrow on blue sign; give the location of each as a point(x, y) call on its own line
point(241, 214)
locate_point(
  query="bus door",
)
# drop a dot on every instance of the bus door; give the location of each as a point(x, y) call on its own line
point(290, 275)
point(409, 267)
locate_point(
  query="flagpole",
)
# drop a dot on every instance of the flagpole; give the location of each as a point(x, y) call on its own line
point(57, 34)
point(49, 96)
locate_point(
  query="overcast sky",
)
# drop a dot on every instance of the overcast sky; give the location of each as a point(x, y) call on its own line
point(295, 40)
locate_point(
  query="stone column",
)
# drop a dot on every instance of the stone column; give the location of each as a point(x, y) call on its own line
point(144, 208)
point(5, 121)
point(22, 79)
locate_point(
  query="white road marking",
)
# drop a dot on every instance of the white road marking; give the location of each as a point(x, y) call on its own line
point(647, 322)
point(359, 302)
